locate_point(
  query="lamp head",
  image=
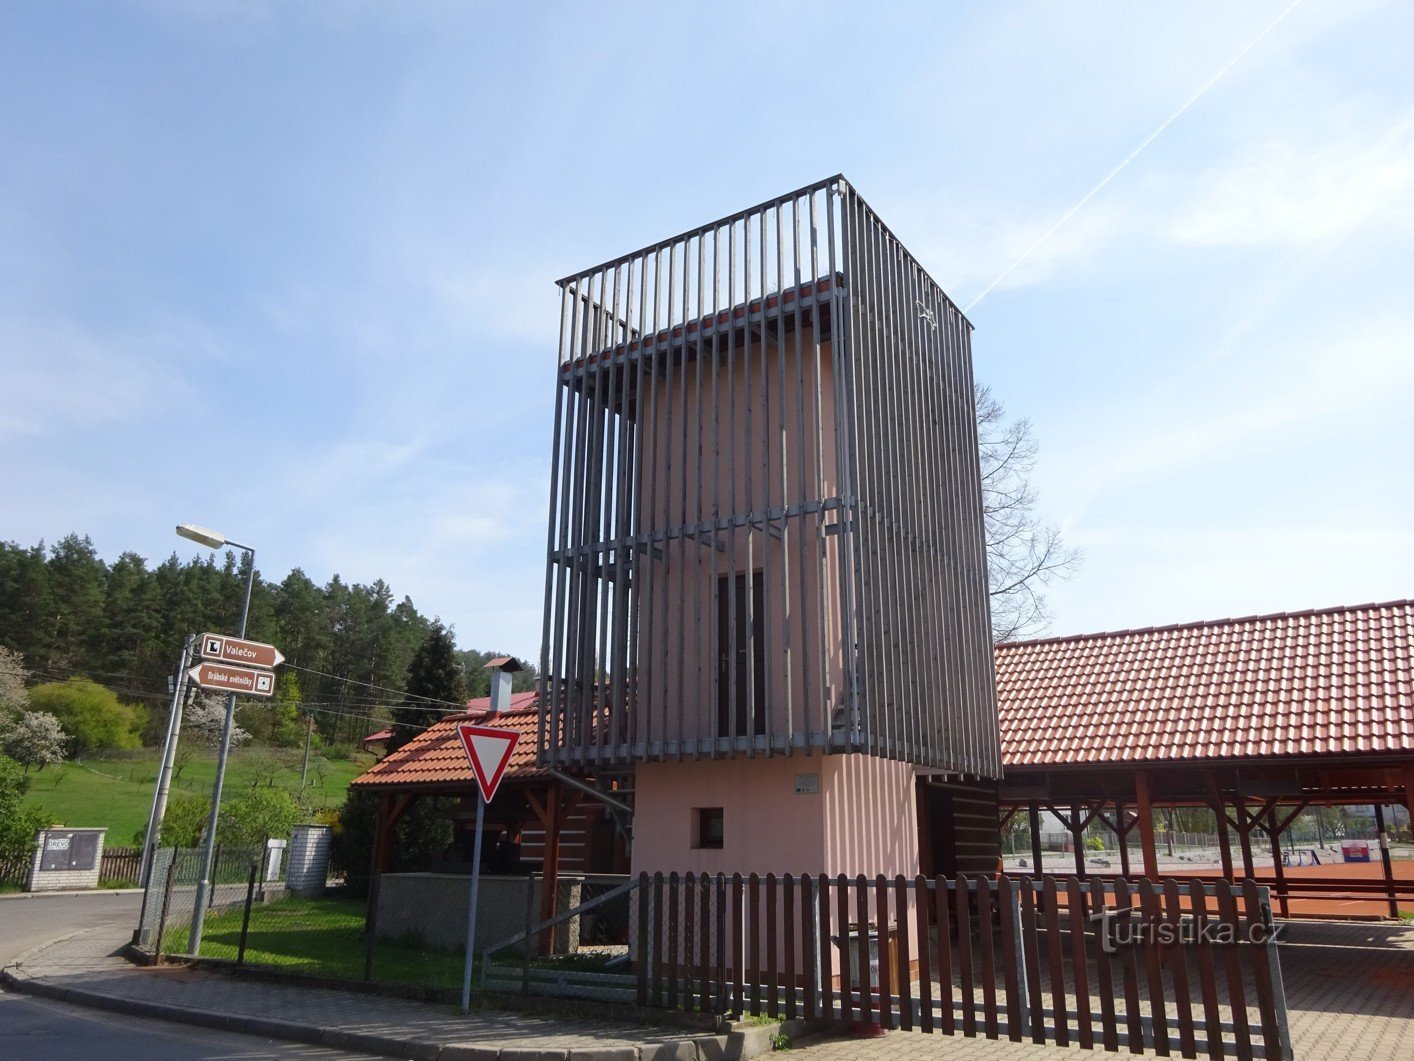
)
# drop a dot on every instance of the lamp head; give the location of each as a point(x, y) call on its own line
point(203, 535)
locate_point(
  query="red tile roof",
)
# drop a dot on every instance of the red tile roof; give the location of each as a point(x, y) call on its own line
point(1333, 682)
point(435, 756)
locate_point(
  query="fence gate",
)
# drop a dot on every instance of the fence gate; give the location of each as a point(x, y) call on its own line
point(1183, 968)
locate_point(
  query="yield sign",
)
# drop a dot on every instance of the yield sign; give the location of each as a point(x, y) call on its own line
point(489, 752)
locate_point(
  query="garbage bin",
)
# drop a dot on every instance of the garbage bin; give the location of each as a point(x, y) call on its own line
point(1355, 850)
point(864, 936)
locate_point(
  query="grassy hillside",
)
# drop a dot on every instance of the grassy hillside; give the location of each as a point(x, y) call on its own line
point(116, 791)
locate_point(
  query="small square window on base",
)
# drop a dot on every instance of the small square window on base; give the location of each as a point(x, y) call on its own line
point(708, 827)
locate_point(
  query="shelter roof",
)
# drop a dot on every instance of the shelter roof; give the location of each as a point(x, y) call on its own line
point(1335, 681)
point(435, 756)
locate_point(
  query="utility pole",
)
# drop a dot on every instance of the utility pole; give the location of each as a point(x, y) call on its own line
point(169, 755)
point(308, 737)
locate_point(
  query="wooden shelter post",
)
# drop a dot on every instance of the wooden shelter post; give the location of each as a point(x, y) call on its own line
point(1034, 816)
point(1219, 810)
point(1146, 824)
point(1385, 860)
point(1274, 829)
point(1077, 839)
point(1122, 827)
point(1409, 792)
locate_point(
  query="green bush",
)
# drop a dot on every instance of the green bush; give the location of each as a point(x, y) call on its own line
point(91, 715)
point(182, 824)
point(18, 824)
point(256, 816)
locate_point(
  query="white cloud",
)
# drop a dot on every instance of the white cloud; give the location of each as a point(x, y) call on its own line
point(61, 379)
point(1283, 193)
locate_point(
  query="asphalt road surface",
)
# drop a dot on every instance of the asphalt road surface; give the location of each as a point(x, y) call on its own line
point(39, 1029)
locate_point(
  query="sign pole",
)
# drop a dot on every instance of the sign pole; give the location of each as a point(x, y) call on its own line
point(472, 902)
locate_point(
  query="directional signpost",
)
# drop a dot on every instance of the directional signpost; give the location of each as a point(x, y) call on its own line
point(237, 650)
point(488, 750)
point(243, 681)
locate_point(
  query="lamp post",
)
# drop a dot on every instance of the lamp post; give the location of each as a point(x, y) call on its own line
point(213, 540)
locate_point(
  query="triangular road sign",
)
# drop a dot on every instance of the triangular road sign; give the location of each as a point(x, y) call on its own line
point(489, 752)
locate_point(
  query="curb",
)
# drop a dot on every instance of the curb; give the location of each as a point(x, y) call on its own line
point(61, 894)
point(737, 1043)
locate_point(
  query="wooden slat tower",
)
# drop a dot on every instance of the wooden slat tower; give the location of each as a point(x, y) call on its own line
point(765, 530)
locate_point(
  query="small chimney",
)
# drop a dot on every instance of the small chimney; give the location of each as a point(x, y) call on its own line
point(501, 668)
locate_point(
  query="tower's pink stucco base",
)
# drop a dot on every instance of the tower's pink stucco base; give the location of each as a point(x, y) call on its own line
point(861, 816)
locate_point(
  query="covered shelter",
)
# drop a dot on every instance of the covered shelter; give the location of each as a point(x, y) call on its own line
point(541, 821)
point(1256, 719)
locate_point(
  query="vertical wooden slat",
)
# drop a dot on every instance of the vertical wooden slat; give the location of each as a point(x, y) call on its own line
point(881, 907)
point(753, 937)
point(641, 943)
point(809, 948)
point(720, 922)
point(989, 958)
point(1056, 947)
point(738, 949)
point(1258, 920)
point(1030, 945)
point(921, 906)
point(1232, 963)
point(1153, 964)
point(1176, 958)
point(658, 940)
point(1207, 975)
point(964, 957)
point(866, 981)
point(1079, 958)
point(1129, 962)
point(847, 1009)
point(942, 904)
point(1104, 981)
point(772, 984)
point(691, 941)
point(788, 923)
point(673, 970)
point(827, 950)
point(904, 978)
point(1006, 907)
point(705, 945)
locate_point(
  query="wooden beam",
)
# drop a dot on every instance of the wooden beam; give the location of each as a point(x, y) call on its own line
point(1385, 861)
point(1146, 824)
point(1035, 818)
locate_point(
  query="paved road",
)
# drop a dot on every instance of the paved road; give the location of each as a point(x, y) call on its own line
point(38, 1029)
point(26, 921)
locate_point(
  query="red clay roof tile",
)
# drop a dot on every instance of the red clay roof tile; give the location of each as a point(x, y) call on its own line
point(435, 756)
point(1334, 681)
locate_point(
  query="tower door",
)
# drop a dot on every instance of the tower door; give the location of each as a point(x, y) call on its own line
point(741, 656)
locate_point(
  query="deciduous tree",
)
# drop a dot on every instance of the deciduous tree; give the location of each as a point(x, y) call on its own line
point(1024, 554)
point(91, 714)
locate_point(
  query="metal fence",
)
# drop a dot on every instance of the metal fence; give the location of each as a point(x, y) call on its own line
point(170, 897)
point(404, 930)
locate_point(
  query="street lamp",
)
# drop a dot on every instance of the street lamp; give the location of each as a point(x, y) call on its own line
point(213, 540)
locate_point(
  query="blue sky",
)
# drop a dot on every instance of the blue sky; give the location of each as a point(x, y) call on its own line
point(287, 270)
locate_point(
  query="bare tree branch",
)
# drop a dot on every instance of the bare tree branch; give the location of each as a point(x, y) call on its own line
point(1023, 554)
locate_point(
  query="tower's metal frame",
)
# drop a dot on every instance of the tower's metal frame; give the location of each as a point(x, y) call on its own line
point(802, 312)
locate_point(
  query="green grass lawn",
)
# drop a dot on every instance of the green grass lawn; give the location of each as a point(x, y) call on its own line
point(320, 937)
point(116, 791)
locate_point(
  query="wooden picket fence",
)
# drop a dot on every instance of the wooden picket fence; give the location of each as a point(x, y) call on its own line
point(120, 865)
point(1177, 967)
